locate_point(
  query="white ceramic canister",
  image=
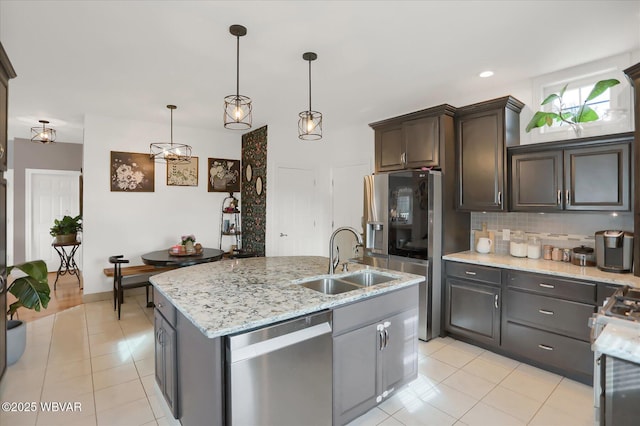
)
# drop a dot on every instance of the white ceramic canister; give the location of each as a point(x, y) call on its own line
point(518, 244)
point(533, 248)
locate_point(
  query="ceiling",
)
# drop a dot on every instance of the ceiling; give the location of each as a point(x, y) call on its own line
point(376, 59)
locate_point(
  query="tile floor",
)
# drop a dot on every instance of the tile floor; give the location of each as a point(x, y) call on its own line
point(85, 355)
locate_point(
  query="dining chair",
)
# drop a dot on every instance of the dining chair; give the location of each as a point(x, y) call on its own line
point(121, 283)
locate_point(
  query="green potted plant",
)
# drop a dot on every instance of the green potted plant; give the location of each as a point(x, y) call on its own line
point(66, 229)
point(32, 291)
point(572, 115)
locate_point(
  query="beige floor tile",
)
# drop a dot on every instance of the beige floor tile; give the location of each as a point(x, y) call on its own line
point(146, 366)
point(115, 359)
point(106, 337)
point(149, 385)
point(83, 413)
point(487, 370)
point(539, 373)
point(372, 417)
point(469, 384)
point(427, 348)
point(18, 418)
point(467, 347)
point(548, 415)
point(450, 400)
point(482, 415)
point(499, 359)
point(403, 398)
point(537, 386)
point(453, 356)
point(434, 369)
point(24, 379)
point(68, 354)
point(67, 390)
point(573, 398)
point(131, 413)
point(114, 376)
point(391, 421)
point(119, 347)
point(423, 414)
point(115, 396)
point(103, 327)
point(151, 423)
point(31, 356)
point(168, 421)
point(62, 372)
point(421, 386)
point(67, 420)
point(513, 403)
point(156, 406)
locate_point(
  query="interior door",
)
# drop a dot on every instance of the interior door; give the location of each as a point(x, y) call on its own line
point(51, 194)
point(296, 212)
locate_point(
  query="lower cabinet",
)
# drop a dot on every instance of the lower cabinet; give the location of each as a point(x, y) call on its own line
point(166, 361)
point(374, 351)
point(472, 302)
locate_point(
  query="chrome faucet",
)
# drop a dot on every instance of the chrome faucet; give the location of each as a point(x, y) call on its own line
point(334, 262)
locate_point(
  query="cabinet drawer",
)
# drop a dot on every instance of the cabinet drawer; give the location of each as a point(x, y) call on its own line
point(571, 355)
point(551, 286)
point(561, 316)
point(474, 272)
point(165, 307)
point(365, 312)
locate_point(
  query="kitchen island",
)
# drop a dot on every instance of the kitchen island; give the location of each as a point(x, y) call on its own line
point(197, 308)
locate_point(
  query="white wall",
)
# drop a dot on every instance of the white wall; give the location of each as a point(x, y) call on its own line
point(135, 223)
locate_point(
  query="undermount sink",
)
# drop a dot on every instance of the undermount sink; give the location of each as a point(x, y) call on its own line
point(367, 278)
point(329, 285)
point(336, 285)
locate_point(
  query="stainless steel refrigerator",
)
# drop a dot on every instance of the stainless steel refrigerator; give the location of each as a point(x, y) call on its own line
point(406, 220)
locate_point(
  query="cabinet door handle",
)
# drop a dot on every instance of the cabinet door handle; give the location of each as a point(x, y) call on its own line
point(545, 347)
point(495, 302)
point(567, 197)
point(159, 338)
point(381, 337)
point(559, 197)
point(546, 285)
point(544, 311)
point(386, 338)
point(469, 272)
point(500, 197)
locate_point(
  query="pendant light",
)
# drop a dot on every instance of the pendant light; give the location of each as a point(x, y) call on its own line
point(310, 122)
point(174, 153)
point(43, 134)
point(237, 108)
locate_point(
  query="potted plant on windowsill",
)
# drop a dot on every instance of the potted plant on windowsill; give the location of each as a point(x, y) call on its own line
point(571, 115)
point(32, 291)
point(66, 229)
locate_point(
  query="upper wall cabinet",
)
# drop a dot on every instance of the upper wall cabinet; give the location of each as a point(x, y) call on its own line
point(411, 141)
point(483, 131)
point(6, 72)
point(589, 174)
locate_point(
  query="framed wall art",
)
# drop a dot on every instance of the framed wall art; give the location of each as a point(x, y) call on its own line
point(183, 174)
point(132, 172)
point(224, 175)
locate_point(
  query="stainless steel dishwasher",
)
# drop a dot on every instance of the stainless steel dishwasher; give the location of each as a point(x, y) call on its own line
point(281, 374)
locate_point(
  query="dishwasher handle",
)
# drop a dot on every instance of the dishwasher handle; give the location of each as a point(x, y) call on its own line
point(254, 344)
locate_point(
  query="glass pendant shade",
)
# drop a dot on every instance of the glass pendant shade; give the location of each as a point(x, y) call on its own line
point(43, 134)
point(310, 121)
point(237, 108)
point(170, 152)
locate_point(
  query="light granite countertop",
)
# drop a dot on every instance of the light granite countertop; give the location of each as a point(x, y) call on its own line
point(233, 295)
point(550, 267)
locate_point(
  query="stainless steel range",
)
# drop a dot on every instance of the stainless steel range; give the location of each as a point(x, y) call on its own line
point(615, 341)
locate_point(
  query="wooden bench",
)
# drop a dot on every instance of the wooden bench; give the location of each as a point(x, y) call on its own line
point(138, 269)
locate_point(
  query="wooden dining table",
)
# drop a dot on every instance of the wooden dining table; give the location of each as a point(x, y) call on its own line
point(164, 258)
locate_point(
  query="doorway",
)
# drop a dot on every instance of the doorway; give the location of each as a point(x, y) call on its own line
point(296, 214)
point(49, 195)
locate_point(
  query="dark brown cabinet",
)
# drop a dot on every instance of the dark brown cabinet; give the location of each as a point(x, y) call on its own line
point(589, 174)
point(484, 130)
point(472, 302)
point(411, 141)
point(633, 75)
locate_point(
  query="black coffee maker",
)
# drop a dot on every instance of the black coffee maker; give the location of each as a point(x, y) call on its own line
point(614, 251)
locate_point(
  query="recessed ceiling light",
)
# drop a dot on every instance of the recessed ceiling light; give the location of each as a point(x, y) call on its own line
point(485, 74)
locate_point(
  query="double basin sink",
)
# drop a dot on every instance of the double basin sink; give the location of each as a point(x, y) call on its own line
point(336, 285)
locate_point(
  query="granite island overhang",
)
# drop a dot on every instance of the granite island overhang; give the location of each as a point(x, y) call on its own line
point(234, 295)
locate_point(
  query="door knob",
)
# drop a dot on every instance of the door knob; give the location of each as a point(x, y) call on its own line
point(283, 235)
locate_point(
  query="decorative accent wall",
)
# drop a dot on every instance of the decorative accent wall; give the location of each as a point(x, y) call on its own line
point(254, 191)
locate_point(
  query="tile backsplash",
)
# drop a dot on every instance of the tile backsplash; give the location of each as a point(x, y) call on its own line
point(565, 230)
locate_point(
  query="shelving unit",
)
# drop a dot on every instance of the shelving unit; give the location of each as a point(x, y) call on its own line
point(230, 221)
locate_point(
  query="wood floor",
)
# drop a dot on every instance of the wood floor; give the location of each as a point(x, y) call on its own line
point(67, 295)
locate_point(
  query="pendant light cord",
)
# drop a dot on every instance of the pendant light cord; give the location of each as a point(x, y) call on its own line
point(238, 66)
point(309, 85)
point(171, 126)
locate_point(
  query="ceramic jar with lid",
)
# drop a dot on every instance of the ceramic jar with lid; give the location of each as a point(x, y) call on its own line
point(518, 244)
